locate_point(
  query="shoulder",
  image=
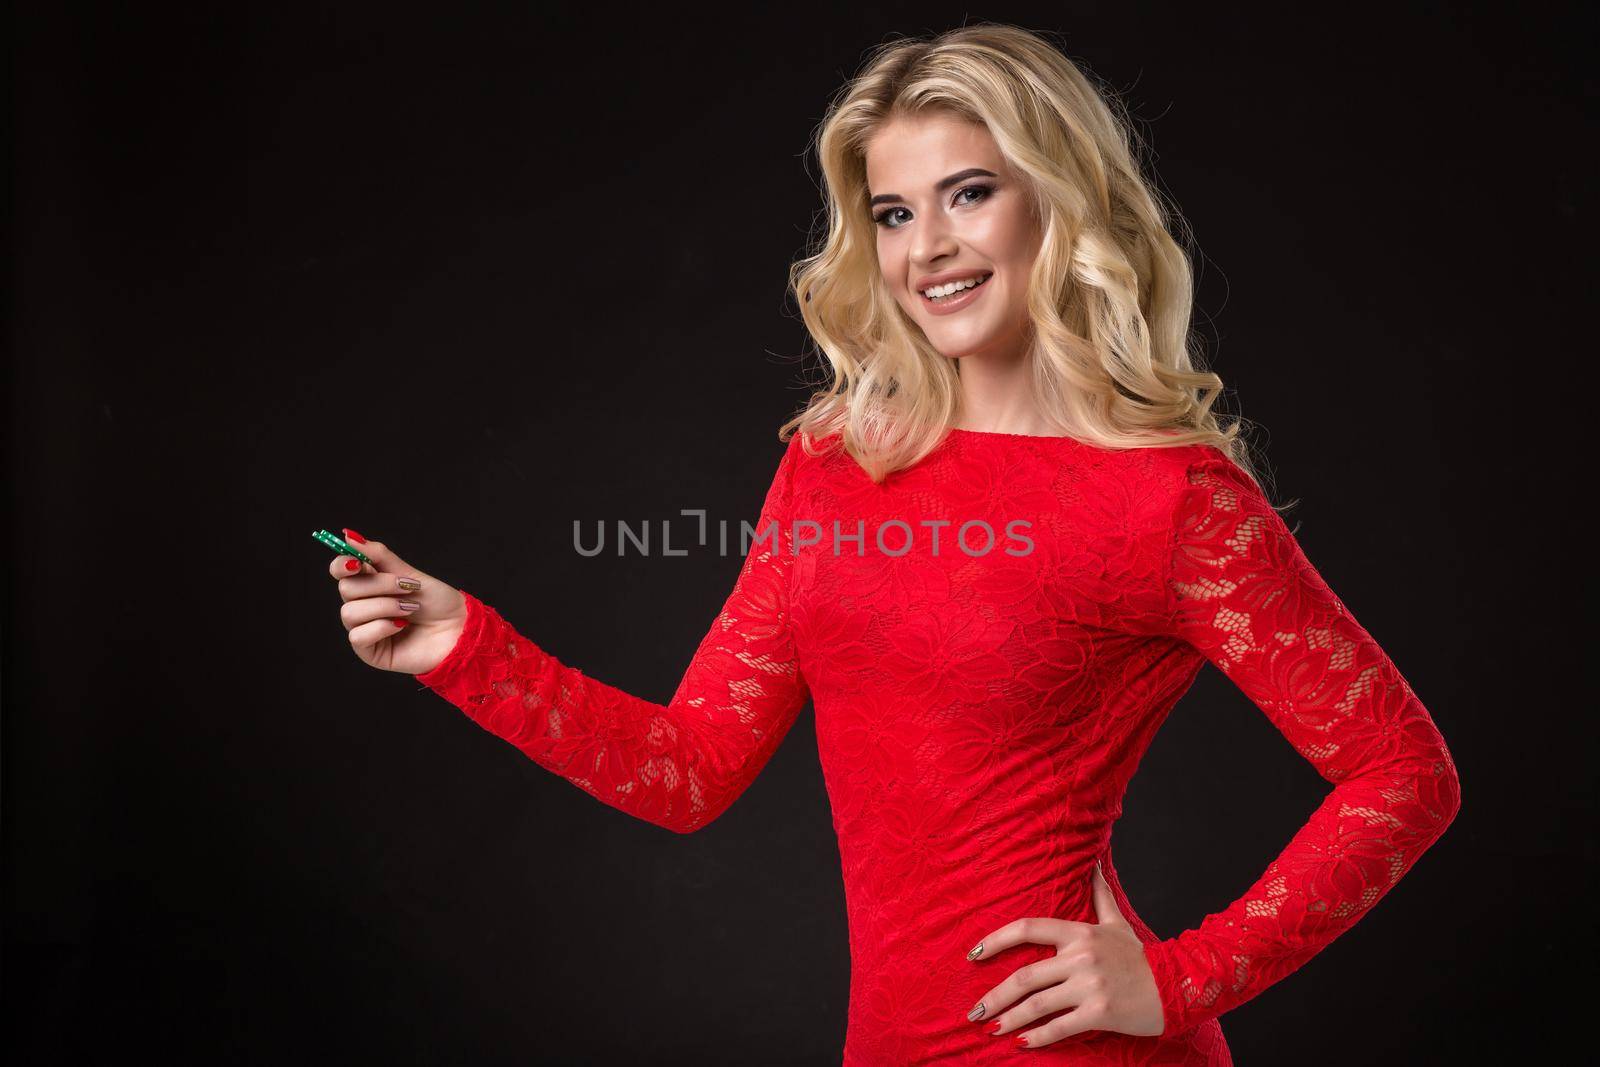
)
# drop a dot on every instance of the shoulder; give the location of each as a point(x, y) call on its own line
point(814, 456)
point(802, 449)
point(1177, 467)
point(1154, 469)
point(805, 461)
point(1164, 483)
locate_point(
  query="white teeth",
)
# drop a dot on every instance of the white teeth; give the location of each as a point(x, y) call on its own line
point(953, 287)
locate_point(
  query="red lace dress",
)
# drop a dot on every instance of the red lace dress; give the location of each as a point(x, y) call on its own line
point(980, 713)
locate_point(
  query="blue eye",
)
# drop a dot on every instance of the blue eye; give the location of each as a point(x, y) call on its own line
point(881, 217)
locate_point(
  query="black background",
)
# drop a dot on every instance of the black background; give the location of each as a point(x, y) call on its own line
point(456, 280)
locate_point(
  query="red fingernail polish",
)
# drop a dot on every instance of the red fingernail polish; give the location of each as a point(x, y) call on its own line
point(401, 622)
point(1022, 1040)
point(351, 535)
point(352, 564)
point(995, 1028)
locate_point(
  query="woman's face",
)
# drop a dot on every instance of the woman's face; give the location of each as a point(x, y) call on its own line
point(947, 208)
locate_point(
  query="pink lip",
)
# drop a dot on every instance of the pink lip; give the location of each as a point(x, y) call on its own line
point(955, 303)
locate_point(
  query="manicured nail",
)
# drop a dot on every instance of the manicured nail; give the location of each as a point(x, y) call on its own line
point(401, 622)
point(352, 564)
point(409, 585)
point(409, 605)
point(351, 535)
point(977, 950)
point(994, 1027)
point(977, 1012)
point(1022, 1040)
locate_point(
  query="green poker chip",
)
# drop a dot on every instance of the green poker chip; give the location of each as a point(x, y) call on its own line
point(340, 545)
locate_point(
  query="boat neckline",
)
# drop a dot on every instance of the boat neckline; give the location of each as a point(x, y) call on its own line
point(1015, 436)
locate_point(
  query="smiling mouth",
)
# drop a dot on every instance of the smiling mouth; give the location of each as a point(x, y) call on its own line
point(959, 293)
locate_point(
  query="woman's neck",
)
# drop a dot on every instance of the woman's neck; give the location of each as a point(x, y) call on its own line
point(997, 397)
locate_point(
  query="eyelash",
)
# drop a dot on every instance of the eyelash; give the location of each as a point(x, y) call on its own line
point(986, 190)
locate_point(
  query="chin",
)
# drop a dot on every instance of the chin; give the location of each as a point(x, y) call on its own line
point(965, 349)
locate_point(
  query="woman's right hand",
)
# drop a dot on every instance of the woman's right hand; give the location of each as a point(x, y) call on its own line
point(384, 631)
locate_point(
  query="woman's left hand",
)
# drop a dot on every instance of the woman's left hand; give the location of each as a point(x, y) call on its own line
point(1099, 971)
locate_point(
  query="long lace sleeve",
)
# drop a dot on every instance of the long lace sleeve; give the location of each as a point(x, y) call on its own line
point(680, 764)
point(1241, 591)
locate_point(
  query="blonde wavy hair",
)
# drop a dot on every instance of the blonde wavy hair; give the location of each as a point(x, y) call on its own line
point(1109, 296)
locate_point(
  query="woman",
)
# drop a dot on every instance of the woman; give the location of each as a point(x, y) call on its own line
point(995, 552)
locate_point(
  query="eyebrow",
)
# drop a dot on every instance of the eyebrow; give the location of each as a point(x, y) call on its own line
point(944, 183)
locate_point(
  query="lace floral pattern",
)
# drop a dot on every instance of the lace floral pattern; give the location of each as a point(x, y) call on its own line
point(980, 714)
point(677, 765)
point(1242, 592)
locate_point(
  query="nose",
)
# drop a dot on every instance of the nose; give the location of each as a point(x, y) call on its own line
point(931, 244)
